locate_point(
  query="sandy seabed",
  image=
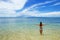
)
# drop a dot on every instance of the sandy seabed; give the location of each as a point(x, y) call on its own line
point(30, 35)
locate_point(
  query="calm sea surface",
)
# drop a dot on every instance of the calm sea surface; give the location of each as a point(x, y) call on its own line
point(19, 22)
point(9, 26)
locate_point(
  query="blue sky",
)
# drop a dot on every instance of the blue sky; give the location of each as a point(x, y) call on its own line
point(30, 8)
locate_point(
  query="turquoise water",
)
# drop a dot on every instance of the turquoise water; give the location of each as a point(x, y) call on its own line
point(20, 28)
point(14, 24)
point(17, 23)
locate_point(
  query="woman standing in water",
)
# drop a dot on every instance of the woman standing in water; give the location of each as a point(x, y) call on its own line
point(41, 29)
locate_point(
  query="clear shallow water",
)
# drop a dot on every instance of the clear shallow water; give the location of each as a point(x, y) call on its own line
point(29, 26)
point(6, 22)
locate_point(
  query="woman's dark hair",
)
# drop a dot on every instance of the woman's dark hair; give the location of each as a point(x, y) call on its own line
point(40, 22)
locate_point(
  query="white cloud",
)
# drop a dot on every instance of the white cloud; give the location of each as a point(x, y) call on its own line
point(52, 14)
point(7, 9)
point(35, 13)
point(35, 5)
point(56, 4)
point(13, 4)
point(38, 14)
point(7, 13)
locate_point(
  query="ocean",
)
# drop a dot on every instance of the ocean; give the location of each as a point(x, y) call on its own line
point(28, 28)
